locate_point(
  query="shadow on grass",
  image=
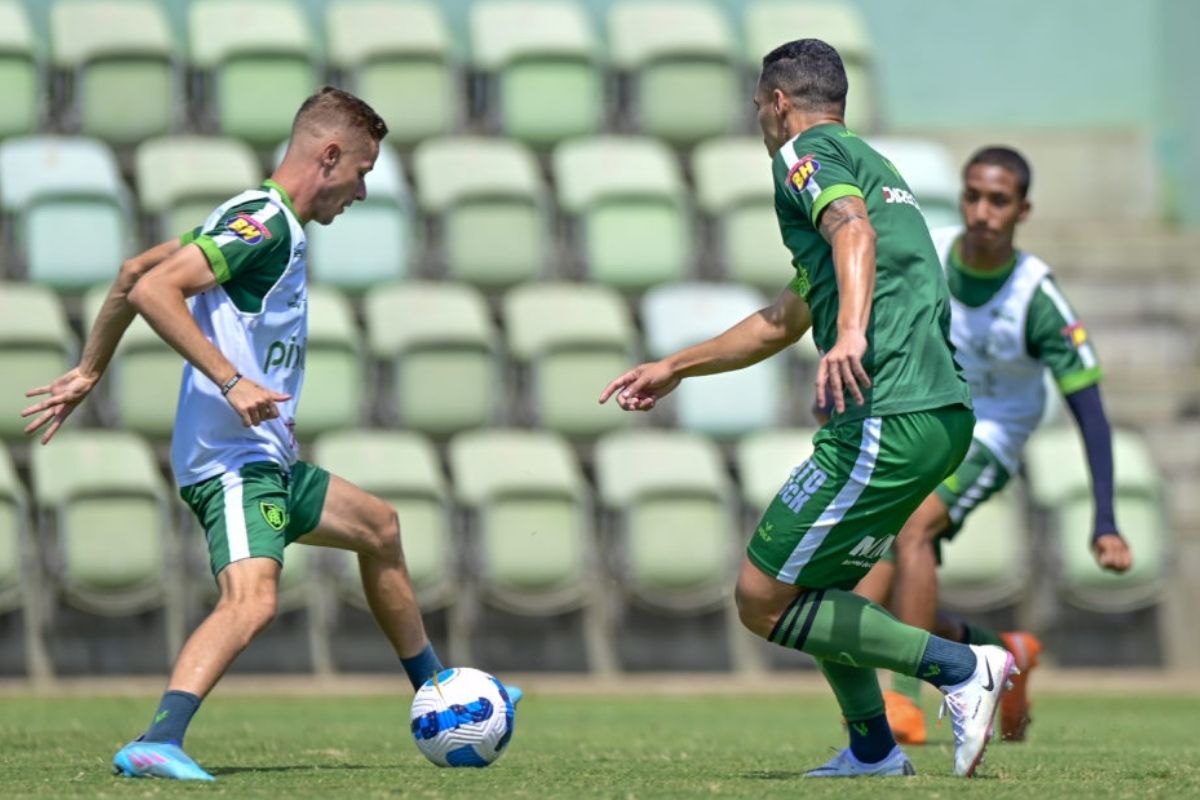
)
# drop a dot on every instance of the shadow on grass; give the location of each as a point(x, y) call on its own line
point(298, 768)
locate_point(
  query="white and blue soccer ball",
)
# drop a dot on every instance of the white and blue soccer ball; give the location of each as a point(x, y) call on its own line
point(462, 717)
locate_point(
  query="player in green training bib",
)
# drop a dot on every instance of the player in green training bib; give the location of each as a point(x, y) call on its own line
point(1010, 324)
point(866, 279)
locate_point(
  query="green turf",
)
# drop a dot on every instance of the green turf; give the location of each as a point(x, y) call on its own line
point(593, 746)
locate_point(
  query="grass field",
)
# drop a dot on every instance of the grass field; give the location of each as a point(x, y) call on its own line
point(581, 746)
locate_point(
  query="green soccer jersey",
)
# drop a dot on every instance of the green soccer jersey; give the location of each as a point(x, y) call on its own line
point(909, 356)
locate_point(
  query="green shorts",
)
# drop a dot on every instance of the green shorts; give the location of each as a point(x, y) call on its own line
point(840, 510)
point(258, 510)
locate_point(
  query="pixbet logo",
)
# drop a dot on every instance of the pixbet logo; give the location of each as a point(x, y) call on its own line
point(287, 356)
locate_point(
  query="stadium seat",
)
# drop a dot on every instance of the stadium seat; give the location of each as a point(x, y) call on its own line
point(437, 344)
point(488, 196)
point(629, 205)
point(142, 382)
point(1056, 466)
point(931, 174)
point(106, 518)
point(119, 57)
point(986, 566)
point(260, 64)
point(52, 184)
point(680, 56)
point(770, 23)
point(572, 339)
point(19, 83)
point(764, 460)
point(36, 346)
point(181, 179)
point(334, 366)
point(675, 316)
point(397, 57)
point(734, 187)
point(541, 60)
point(534, 545)
point(21, 580)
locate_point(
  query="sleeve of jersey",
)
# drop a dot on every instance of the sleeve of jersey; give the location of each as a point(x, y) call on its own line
point(248, 236)
point(814, 178)
point(1057, 337)
point(187, 237)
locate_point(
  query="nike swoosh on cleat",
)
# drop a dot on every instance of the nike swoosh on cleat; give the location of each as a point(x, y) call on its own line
point(991, 684)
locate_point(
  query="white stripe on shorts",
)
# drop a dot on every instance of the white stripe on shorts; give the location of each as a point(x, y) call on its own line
point(235, 517)
point(974, 493)
point(860, 476)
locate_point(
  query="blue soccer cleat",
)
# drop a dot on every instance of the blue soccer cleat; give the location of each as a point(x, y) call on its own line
point(514, 693)
point(140, 759)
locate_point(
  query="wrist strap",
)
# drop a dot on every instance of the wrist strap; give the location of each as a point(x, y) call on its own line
point(229, 384)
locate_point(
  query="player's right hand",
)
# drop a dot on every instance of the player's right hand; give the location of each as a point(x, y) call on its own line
point(66, 392)
point(254, 403)
point(641, 387)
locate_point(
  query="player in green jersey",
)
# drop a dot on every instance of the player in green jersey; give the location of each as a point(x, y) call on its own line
point(1010, 324)
point(867, 280)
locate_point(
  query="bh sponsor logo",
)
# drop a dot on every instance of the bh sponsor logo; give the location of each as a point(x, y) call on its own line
point(247, 228)
point(802, 171)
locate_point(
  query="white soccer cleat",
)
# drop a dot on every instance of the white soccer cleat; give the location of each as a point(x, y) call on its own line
point(845, 765)
point(972, 705)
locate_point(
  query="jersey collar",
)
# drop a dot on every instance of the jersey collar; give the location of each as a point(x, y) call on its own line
point(283, 195)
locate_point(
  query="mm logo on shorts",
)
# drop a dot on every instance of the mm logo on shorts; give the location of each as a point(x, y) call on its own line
point(868, 551)
point(275, 516)
point(803, 483)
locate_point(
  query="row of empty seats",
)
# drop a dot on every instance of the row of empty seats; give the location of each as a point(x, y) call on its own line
point(543, 66)
point(512, 522)
point(481, 209)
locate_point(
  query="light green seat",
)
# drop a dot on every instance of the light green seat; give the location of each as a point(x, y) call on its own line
point(765, 459)
point(437, 343)
point(681, 56)
point(333, 365)
point(572, 339)
point(143, 378)
point(52, 184)
point(770, 23)
point(18, 71)
point(734, 188)
point(14, 534)
point(679, 315)
point(929, 171)
point(489, 198)
point(986, 566)
point(629, 202)
point(119, 54)
point(397, 57)
point(36, 346)
point(112, 525)
point(181, 179)
point(402, 468)
point(542, 60)
point(671, 494)
point(1057, 469)
point(261, 64)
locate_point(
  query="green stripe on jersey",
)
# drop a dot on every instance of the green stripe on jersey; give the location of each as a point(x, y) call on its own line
point(831, 193)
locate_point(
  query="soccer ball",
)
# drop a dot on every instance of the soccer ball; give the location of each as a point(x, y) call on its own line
point(462, 718)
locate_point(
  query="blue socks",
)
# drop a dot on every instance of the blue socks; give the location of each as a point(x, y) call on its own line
point(421, 667)
point(871, 739)
point(946, 663)
point(172, 718)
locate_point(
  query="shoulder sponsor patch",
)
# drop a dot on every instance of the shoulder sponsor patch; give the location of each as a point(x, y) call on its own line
point(802, 171)
point(1075, 334)
point(247, 228)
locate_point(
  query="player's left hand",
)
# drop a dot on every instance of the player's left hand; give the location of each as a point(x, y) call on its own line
point(65, 393)
point(1112, 553)
point(841, 371)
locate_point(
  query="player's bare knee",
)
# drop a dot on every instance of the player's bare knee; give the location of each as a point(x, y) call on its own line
point(383, 539)
point(753, 612)
point(251, 610)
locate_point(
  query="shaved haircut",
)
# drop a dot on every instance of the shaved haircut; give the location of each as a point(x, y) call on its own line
point(331, 109)
point(810, 72)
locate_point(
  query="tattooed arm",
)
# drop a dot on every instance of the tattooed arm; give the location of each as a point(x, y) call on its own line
point(845, 225)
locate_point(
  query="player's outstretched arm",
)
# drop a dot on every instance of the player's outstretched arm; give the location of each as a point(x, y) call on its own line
point(758, 336)
point(845, 225)
point(161, 297)
point(1108, 546)
point(69, 390)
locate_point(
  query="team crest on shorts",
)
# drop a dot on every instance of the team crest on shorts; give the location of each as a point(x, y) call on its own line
point(275, 516)
point(247, 228)
point(802, 171)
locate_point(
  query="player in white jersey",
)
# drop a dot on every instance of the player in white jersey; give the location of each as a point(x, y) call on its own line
point(233, 450)
point(1010, 323)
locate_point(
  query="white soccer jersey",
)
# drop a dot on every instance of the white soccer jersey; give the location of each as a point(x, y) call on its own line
point(257, 316)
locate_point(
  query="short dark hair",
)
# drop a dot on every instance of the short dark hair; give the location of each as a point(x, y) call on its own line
point(808, 71)
point(1007, 158)
point(331, 107)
